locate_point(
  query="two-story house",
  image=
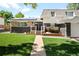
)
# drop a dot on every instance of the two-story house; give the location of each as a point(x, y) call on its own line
point(66, 20)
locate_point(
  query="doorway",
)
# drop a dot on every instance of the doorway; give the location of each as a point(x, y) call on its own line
point(39, 27)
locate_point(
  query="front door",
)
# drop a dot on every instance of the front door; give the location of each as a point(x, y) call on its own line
point(68, 29)
point(38, 27)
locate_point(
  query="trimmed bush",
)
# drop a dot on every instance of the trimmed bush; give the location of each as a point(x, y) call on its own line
point(51, 30)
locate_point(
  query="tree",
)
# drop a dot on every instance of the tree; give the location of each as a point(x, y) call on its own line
point(73, 6)
point(34, 5)
point(6, 15)
point(19, 15)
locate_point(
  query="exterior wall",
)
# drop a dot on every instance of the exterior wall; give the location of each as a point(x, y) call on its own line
point(19, 24)
point(1, 23)
point(75, 30)
point(66, 30)
point(63, 31)
point(59, 15)
point(30, 23)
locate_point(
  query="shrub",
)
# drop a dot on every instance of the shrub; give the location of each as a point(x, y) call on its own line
point(51, 30)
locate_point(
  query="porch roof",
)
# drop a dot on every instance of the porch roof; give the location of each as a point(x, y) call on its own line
point(72, 20)
point(25, 20)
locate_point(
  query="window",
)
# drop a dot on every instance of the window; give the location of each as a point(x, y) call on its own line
point(33, 28)
point(69, 13)
point(52, 14)
point(41, 18)
point(22, 24)
point(47, 24)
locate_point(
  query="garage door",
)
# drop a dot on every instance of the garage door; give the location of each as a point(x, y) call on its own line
point(75, 30)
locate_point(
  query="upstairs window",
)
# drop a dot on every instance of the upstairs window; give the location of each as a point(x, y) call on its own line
point(69, 13)
point(52, 14)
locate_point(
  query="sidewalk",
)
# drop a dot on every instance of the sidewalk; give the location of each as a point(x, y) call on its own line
point(74, 39)
point(38, 47)
point(56, 37)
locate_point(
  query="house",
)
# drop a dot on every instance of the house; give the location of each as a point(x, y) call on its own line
point(1, 23)
point(67, 21)
point(64, 21)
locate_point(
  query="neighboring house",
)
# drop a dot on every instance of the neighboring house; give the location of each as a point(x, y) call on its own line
point(66, 20)
point(31, 25)
point(1, 23)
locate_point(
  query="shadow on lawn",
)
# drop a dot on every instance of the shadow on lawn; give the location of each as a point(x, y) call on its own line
point(23, 49)
point(64, 49)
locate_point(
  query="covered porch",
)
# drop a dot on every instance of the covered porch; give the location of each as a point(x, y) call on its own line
point(70, 27)
point(33, 26)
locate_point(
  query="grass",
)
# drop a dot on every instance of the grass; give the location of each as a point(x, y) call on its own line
point(61, 47)
point(16, 44)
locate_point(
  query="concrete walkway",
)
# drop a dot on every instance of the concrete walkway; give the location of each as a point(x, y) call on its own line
point(38, 47)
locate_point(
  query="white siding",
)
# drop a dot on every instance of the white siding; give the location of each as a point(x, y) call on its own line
point(1, 21)
point(75, 30)
point(63, 31)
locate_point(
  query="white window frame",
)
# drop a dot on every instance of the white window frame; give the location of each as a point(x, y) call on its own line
point(70, 15)
point(54, 14)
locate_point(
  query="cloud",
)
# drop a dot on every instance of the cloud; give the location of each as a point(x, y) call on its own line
point(36, 16)
point(4, 5)
point(14, 5)
point(25, 10)
point(10, 5)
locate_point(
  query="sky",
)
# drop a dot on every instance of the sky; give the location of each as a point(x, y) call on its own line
point(28, 11)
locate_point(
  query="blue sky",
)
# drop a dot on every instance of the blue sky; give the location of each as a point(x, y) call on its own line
point(28, 11)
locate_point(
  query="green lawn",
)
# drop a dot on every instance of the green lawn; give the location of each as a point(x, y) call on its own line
point(16, 44)
point(61, 47)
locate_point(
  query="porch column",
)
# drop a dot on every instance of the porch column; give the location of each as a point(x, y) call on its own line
point(30, 29)
point(35, 29)
point(10, 28)
point(43, 27)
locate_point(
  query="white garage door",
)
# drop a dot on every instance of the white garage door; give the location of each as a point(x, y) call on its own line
point(75, 30)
